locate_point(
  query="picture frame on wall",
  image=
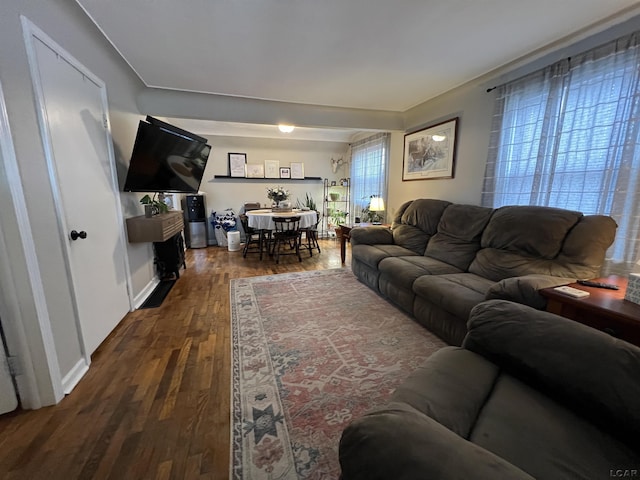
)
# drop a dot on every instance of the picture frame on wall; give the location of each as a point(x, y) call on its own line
point(285, 172)
point(255, 170)
point(271, 169)
point(297, 170)
point(237, 164)
point(430, 153)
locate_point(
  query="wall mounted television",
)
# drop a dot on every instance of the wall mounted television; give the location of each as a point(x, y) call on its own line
point(166, 158)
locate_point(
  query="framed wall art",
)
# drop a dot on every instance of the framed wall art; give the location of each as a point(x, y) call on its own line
point(285, 172)
point(297, 170)
point(255, 170)
point(237, 164)
point(430, 153)
point(271, 169)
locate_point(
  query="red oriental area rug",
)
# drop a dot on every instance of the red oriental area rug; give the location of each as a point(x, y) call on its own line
point(311, 352)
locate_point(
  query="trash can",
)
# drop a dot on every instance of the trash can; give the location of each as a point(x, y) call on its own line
point(233, 241)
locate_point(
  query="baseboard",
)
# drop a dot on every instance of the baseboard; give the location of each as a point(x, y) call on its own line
point(72, 378)
point(146, 291)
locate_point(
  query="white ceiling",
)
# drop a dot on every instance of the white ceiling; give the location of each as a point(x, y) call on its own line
point(369, 54)
point(387, 55)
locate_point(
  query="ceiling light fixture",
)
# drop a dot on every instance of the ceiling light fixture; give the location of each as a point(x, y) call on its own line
point(286, 128)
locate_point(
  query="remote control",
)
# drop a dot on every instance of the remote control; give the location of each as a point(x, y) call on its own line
point(589, 283)
point(572, 292)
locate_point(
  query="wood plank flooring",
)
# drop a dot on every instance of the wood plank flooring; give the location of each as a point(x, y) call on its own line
point(155, 402)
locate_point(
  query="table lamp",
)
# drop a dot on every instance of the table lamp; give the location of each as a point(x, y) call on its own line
point(376, 205)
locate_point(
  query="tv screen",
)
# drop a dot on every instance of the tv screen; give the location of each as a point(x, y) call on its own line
point(166, 159)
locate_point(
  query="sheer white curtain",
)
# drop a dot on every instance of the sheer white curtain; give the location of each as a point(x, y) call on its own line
point(569, 136)
point(369, 166)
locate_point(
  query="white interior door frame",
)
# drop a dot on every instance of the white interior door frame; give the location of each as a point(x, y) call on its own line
point(34, 353)
point(31, 34)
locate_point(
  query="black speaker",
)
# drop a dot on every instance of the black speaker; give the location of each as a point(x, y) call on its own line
point(194, 209)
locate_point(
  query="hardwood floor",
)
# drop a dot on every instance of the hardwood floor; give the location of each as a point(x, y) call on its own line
point(155, 402)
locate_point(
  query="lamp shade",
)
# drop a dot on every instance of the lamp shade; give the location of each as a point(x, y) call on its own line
point(377, 204)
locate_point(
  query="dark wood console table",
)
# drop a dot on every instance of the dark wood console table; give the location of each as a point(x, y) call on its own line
point(165, 232)
point(605, 310)
point(345, 234)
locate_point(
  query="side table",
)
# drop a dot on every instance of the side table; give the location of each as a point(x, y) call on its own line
point(603, 309)
point(345, 234)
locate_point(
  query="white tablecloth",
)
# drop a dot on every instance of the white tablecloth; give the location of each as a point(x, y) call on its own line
point(263, 219)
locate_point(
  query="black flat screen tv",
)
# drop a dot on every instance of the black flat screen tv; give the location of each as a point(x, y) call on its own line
point(166, 159)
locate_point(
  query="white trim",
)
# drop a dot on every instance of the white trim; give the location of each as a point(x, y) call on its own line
point(146, 291)
point(30, 394)
point(72, 378)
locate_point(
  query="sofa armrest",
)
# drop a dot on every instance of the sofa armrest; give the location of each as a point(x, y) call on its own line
point(371, 236)
point(524, 289)
point(401, 443)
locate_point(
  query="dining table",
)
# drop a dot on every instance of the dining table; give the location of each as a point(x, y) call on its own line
point(263, 219)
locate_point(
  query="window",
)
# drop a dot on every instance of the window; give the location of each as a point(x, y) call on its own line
point(569, 137)
point(369, 165)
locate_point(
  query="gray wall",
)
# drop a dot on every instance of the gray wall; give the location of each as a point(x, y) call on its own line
point(474, 107)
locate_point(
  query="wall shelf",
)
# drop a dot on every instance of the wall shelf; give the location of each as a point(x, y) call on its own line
point(158, 228)
point(244, 179)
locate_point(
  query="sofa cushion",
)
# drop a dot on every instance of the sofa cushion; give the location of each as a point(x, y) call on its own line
point(458, 237)
point(418, 223)
point(529, 230)
point(404, 270)
point(372, 254)
point(456, 293)
point(592, 372)
point(583, 251)
point(522, 240)
point(401, 443)
point(452, 387)
point(545, 439)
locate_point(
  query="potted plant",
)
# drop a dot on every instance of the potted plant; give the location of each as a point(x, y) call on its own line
point(309, 203)
point(153, 206)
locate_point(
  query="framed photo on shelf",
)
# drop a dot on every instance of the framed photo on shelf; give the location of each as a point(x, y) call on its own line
point(285, 172)
point(271, 169)
point(237, 164)
point(430, 153)
point(297, 170)
point(255, 170)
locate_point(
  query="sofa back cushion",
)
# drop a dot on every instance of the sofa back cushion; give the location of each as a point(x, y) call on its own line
point(458, 237)
point(524, 240)
point(584, 249)
point(417, 222)
point(587, 370)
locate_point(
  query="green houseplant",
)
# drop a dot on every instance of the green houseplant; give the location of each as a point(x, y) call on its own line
point(157, 205)
point(309, 203)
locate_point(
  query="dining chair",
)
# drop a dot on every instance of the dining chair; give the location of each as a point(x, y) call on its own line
point(256, 240)
point(287, 234)
point(251, 206)
point(311, 236)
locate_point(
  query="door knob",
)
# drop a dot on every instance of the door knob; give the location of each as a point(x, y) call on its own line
point(75, 235)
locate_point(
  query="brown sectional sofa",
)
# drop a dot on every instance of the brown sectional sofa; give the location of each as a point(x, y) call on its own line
point(440, 259)
point(529, 395)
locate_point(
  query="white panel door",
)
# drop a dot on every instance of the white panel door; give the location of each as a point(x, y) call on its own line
point(73, 107)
